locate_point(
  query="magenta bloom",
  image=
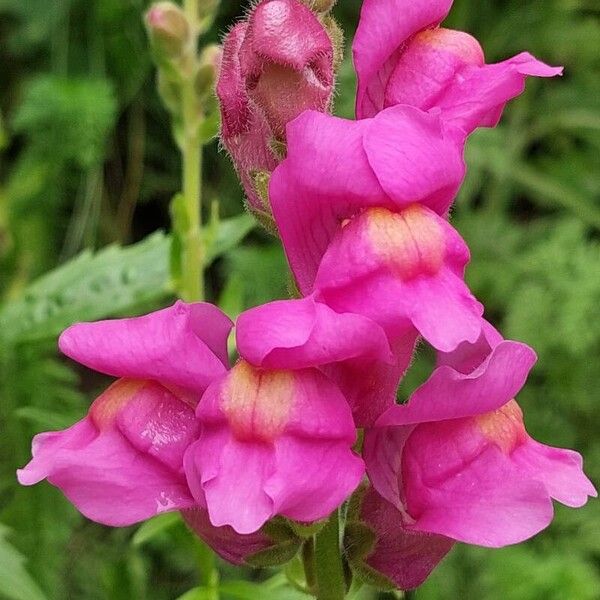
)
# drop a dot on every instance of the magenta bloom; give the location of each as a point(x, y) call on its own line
point(123, 462)
point(272, 442)
point(336, 168)
point(276, 64)
point(457, 461)
point(402, 56)
point(350, 349)
point(404, 270)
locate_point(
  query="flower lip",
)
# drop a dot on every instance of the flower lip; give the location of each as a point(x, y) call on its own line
point(410, 242)
point(257, 403)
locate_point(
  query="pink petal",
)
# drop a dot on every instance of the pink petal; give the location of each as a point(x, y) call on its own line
point(478, 97)
point(382, 453)
point(263, 433)
point(384, 27)
point(403, 556)
point(370, 386)
point(402, 270)
point(415, 157)
point(430, 62)
point(104, 476)
point(325, 179)
point(233, 475)
point(312, 477)
point(183, 345)
point(229, 545)
point(466, 357)
point(450, 394)
point(459, 485)
point(295, 334)
point(561, 471)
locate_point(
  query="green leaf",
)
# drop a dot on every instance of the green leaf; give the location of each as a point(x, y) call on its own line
point(198, 593)
point(111, 282)
point(230, 233)
point(154, 527)
point(15, 581)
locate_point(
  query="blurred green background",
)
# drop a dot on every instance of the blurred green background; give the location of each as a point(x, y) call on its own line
point(87, 164)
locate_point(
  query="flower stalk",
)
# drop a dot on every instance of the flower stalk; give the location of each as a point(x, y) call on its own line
point(331, 583)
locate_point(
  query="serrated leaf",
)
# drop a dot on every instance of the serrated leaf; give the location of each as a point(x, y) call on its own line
point(92, 286)
point(154, 527)
point(15, 581)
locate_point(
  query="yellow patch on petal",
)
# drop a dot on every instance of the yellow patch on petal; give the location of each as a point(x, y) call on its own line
point(410, 242)
point(504, 426)
point(256, 402)
point(105, 407)
point(459, 43)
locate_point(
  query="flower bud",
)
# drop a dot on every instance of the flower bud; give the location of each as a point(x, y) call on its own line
point(276, 64)
point(169, 30)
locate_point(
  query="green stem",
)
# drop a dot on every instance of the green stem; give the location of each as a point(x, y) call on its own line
point(192, 263)
point(331, 584)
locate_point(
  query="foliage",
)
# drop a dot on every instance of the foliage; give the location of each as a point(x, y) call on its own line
point(87, 164)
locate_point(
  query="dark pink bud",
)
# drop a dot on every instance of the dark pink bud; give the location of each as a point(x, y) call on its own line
point(275, 65)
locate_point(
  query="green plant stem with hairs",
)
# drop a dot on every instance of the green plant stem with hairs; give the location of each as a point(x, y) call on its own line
point(192, 263)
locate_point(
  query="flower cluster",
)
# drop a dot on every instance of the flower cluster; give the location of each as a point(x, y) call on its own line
point(362, 211)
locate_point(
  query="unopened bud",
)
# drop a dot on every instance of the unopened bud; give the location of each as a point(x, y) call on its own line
point(169, 30)
point(276, 64)
point(208, 67)
point(207, 11)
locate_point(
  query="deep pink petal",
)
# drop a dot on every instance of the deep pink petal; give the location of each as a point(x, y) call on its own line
point(460, 485)
point(104, 476)
point(477, 98)
point(325, 179)
point(382, 453)
point(449, 394)
point(415, 157)
point(264, 404)
point(295, 334)
point(225, 541)
point(312, 478)
point(430, 62)
point(403, 556)
point(259, 428)
point(466, 357)
point(123, 463)
point(561, 471)
point(233, 475)
point(183, 345)
point(384, 27)
point(404, 271)
point(370, 386)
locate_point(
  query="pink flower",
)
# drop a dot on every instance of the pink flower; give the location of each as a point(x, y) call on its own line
point(178, 420)
point(350, 349)
point(336, 168)
point(276, 64)
point(404, 270)
point(123, 462)
point(272, 442)
point(402, 56)
point(457, 461)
